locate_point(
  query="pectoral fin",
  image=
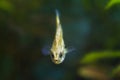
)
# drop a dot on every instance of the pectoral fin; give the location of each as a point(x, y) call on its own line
point(69, 49)
point(45, 50)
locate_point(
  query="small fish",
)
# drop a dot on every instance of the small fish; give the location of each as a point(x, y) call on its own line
point(58, 50)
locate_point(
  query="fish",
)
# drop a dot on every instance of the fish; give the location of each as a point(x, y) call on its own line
point(58, 50)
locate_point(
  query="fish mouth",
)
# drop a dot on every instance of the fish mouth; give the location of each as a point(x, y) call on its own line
point(57, 62)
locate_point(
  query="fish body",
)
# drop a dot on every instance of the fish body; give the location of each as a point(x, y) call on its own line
point(58, 50)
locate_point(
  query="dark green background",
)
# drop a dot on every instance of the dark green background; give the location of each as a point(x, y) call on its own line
point(27, 26)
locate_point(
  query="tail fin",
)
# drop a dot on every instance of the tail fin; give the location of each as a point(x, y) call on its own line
point(57, 16)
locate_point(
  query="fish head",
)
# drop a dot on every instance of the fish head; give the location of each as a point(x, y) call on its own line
point(58, 57)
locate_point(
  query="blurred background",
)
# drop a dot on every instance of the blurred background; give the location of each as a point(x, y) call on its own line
point(27, 29)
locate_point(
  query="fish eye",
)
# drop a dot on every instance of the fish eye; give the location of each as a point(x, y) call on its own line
point(52, 55)
point(60, 55)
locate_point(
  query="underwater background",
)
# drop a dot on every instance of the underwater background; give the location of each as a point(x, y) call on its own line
point(91, 27)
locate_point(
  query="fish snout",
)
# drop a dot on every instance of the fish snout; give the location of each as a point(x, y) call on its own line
point(56, 61)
